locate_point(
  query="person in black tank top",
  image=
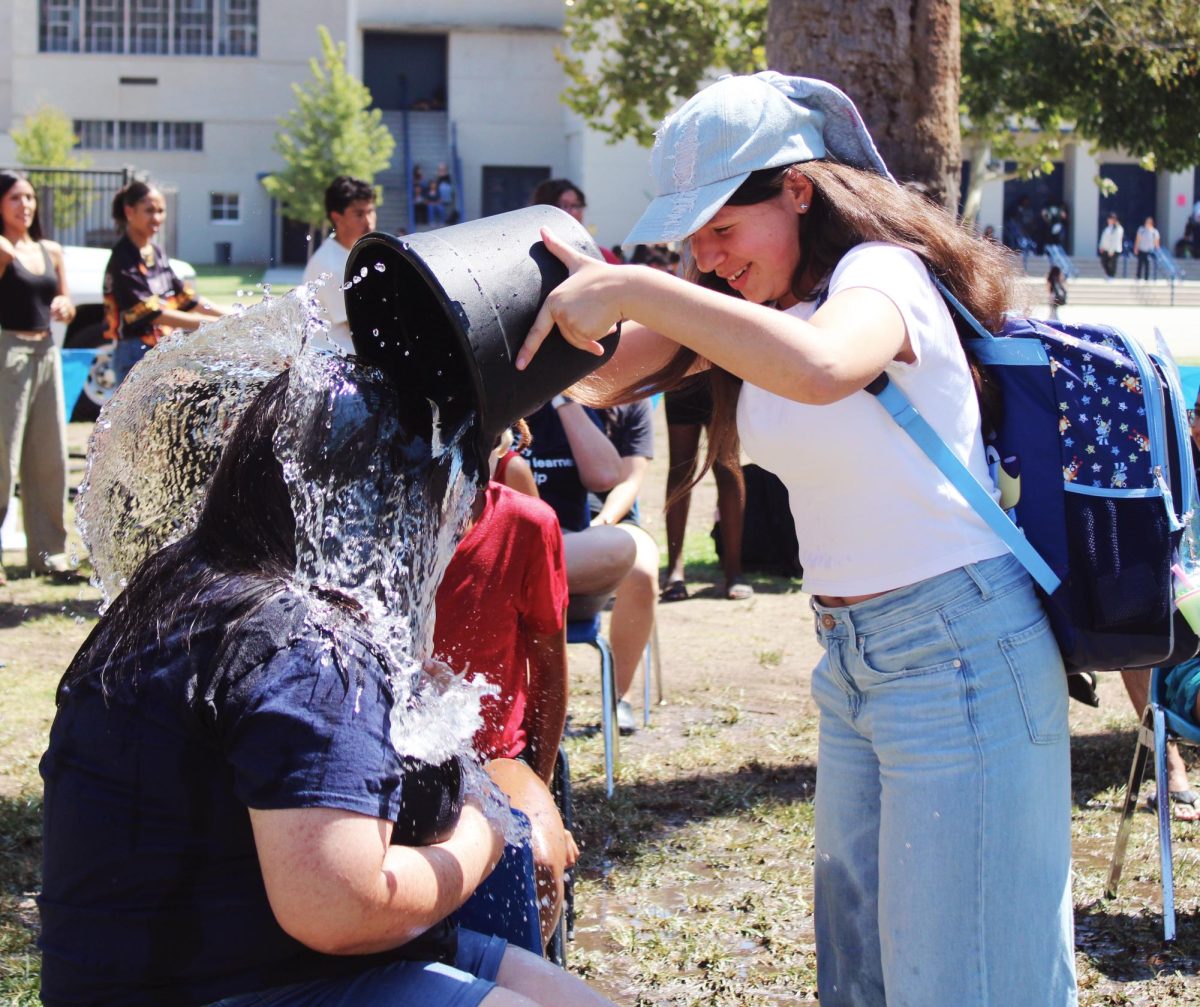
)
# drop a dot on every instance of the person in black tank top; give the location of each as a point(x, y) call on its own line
point(33, 443)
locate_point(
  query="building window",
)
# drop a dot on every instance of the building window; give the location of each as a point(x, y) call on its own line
point(148, 23)
point(95, 134)
point(193, 27)
point(149, 27)
point(224, 207)
point(58, 26)
point(105, 20)
point(138, 134)
point(183, 136)
point(239, 28)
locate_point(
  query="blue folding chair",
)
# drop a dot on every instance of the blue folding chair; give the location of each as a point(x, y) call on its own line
point(1159, 725)
point(506, 904)
point(587, 630)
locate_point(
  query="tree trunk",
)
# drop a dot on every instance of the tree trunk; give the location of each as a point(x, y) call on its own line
point(898, 61)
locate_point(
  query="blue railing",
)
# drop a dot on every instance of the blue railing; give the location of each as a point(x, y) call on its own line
point(1058, 257)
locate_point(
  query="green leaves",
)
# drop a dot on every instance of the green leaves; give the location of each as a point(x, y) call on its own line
point(332, 131)
point(632, 61)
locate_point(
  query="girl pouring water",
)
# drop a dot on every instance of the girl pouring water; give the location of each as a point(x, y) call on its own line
point(943, 791)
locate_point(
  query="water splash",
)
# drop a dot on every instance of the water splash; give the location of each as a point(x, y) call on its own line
point(378, 485)
point(156, 444)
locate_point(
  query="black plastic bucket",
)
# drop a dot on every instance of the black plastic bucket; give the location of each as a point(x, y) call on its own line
point(444, 313)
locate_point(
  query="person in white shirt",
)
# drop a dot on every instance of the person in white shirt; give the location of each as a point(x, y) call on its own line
point(1112, 244)
point(943, 797)
point(350, 206)
point(1144, 245)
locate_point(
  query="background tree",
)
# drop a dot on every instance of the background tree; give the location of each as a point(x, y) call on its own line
point(46, 139)
point(1034, 72)
point(1121, 76)
point(332, 131)
point(646, 57)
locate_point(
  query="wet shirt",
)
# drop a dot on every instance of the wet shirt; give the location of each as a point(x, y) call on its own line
point(152, 890)
point(507, 578)
point(139, 285)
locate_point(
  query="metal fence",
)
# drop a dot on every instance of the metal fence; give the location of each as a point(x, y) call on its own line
point(75, 204)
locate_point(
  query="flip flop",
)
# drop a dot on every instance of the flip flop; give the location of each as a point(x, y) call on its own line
point(1186, 798)
point(676, 590)
point(738, 590)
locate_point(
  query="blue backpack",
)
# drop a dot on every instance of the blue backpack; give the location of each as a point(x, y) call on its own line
point(1093, 461)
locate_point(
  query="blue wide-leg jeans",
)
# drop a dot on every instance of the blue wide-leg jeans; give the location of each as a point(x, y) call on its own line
point(943, 805)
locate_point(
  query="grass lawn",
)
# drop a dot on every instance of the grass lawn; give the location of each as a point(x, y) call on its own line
point(695, 880)
point(230, 285)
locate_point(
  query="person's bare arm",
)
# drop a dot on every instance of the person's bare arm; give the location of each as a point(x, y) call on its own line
point(623, 496)
point(845, 345)
point(337, 886)
point(546, 702)
point(61, 307)
point(596, 460)
point(519, 476)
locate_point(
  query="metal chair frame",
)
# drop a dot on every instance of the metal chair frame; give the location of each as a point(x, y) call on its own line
point(1158, 726)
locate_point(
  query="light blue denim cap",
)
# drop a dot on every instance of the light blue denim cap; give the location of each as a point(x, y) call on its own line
point(710, 145)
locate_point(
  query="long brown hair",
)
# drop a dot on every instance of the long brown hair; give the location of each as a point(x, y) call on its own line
point(849, 206)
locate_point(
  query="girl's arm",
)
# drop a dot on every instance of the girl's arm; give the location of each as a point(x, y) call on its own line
point(61, 308)
point(546, 701)
point(623, 496)
point(337, 885)
point(596, 460)
point(847, 343)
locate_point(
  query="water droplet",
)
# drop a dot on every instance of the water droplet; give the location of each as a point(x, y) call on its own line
point(380, 267)
point(358, 279)
point(363, 272)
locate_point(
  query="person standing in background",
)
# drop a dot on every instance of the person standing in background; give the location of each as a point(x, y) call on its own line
point(144, 298)
point(1145, 244)
point(350, 206)
point(33, 436)
point(567, 196)
point(1112, 244)
point(1056, 289)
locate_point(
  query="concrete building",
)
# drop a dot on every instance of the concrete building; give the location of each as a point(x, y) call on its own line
point(191, 90)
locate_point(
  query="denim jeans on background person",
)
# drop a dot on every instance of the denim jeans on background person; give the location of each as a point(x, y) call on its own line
point(943, 802)
point(400, 984)
point(126, 353)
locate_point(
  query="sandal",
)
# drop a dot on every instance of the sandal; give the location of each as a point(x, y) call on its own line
point(676, 590)
point(739, 589)
point(1184, 798)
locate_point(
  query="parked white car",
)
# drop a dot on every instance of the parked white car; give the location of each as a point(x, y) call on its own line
point(85, 279)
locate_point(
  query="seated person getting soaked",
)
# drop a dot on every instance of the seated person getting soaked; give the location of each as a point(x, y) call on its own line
point(572, 455)
point(500, 610)
point(222, 790)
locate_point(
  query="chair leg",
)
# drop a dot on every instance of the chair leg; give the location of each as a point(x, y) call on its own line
point(657, 664)
point(566, 809)
point(1163, 805)
point(1136, 772)
point(608, 713)
point(646, 683)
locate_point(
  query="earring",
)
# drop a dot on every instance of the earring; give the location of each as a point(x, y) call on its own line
point(803, 206)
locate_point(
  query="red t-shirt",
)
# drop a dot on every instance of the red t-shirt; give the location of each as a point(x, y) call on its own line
point(508, 576)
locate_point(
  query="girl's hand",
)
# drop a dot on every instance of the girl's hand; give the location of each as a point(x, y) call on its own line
point(584, 306)
point(61, 309)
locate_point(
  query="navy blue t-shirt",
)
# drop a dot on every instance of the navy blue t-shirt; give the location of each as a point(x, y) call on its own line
point(152, 890)
point(554, 468)
point(629, 427)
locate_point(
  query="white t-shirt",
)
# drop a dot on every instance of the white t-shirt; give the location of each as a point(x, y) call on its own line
point(1147, 239)
point(331, 258)
point(1112, 239)
point(872, 512)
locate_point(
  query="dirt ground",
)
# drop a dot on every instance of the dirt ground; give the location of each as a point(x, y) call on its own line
point(695, 880)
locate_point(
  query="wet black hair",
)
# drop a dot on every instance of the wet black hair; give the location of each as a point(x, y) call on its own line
point(344, 190)
point(246, 534)
point(10, 178)
point(129, 195)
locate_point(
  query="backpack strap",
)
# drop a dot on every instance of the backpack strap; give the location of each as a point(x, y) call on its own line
point(949, 464)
